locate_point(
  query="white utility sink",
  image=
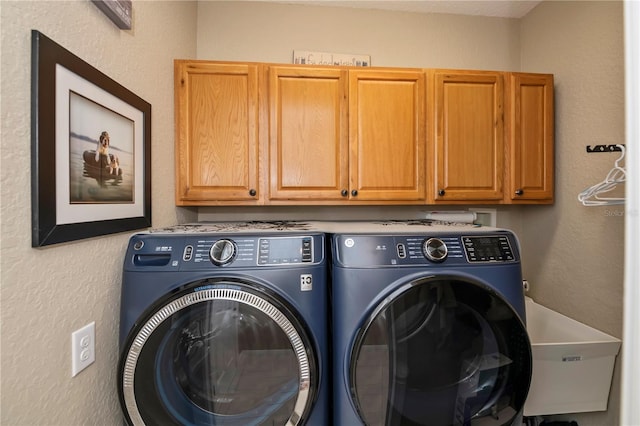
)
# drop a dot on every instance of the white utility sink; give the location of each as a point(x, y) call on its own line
point(572, 363)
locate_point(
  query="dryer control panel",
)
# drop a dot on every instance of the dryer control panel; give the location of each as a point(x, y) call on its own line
point(488, 249)
point(428, 250)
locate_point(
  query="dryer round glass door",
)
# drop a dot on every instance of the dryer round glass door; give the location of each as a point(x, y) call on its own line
point(218, 353)
point(441, 352)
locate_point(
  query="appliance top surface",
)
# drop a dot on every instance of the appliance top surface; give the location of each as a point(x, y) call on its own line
point(409, 226)
point(400, 227)
point(248, 227)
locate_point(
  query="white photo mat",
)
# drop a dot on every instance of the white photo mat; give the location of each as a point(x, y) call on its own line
point(67, 212)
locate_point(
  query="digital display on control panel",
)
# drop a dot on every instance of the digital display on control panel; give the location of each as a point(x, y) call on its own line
point(488, 249)
point(285, 250)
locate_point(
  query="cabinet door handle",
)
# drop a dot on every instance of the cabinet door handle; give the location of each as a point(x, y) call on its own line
point(441, 192)
point(519, 192)
point(354, 193)
point(344, 192)
point(252, 192)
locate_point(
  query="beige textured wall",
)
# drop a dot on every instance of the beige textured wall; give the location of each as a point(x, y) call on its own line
point(579, 258)
point(262, 31)
point(574, 254)
point(48, 293)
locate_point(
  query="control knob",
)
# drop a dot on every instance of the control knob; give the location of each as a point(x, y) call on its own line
point(223, 252)
point(435, 249)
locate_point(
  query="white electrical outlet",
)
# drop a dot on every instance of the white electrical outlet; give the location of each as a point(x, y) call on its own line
point(83, 348)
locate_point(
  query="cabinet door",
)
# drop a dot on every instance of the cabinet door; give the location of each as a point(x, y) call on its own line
point(308, 139)
point(387, 135)
point(531, 137)
point(216, 132)
point(468, 140)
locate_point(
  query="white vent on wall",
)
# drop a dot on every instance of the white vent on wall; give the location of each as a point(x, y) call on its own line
point(485, 217)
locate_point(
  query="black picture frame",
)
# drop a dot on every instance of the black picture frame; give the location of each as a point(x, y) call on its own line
point(119, 11)
point(73, 198)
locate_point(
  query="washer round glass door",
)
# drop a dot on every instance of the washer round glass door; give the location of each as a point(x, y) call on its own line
point(218, 352)
point(441, 351)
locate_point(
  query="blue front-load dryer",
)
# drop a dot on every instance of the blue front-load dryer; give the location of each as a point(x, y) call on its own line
point(224, 325)
point(429, 328)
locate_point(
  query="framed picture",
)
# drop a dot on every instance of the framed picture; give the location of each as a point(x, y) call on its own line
point(119, 11)
point(90, 150)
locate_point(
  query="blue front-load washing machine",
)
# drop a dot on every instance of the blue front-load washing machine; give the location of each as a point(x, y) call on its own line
point(225, 324)
point(428, 326)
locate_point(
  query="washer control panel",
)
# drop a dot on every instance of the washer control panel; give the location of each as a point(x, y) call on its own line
point(195, 252)
point(266, 251)
point(285, 250)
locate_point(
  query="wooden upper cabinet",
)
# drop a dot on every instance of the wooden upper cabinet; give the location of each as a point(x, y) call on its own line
point(340, 135)
point(387, 131)
point(217, 150)
point(308, 137)
point(531, 138)
point(468, 136)
point(255, 134)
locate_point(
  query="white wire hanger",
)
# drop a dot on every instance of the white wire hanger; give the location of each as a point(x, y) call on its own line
point(617, 175)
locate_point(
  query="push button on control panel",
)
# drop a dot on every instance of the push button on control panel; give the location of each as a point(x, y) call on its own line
point(402, 251)
point(187, 255)
point(307, 254)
